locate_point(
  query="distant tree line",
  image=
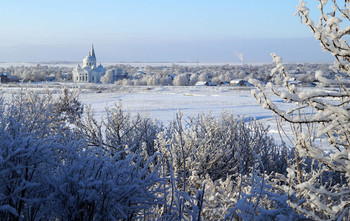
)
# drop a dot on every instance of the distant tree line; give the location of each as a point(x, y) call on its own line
point(174, 75)
point(180, 75)
point(37, 73)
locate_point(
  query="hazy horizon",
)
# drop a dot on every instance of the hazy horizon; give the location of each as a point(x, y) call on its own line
point(157, 31)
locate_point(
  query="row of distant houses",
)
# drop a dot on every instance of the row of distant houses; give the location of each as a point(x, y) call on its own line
point(237, 82)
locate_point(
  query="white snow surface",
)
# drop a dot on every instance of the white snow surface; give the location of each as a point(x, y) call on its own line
point(163, 102)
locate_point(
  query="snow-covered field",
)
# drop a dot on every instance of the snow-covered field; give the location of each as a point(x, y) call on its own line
point(163, 103)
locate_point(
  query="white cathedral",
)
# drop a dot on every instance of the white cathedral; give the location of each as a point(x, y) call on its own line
point(89, 72)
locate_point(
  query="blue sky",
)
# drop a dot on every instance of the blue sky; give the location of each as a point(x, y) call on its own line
point(156, 30)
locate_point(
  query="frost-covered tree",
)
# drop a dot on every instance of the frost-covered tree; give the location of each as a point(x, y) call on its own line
point(181, 80)
point(203, 77)
point(193, 79)
point(319, 120)
point(126, 82)
point(108, 77)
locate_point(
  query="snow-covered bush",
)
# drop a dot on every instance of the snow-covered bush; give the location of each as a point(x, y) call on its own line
point(93, 185)
point(213, 154)
point(215, 146)
point(319, 119)
point(50, 170)
point(119, 130)
point(33, 135)
point(67, 106)
point(27, 155)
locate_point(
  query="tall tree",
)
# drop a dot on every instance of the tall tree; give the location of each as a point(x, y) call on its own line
point(319, 119)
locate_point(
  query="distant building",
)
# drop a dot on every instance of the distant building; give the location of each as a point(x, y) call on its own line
point(202, 83)
point(118, 74)
point(89, 72)
point(224, 83)
point(240, 82)
point(5, 77)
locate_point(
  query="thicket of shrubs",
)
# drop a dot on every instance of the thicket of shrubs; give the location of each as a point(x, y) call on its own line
point(58, 162)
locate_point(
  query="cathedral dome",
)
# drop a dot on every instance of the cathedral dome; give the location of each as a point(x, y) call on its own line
point(89, 59)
